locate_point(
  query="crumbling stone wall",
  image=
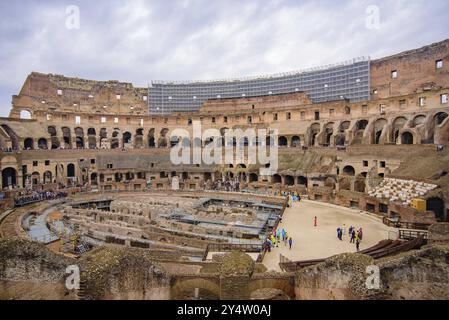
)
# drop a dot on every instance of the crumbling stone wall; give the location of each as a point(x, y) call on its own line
point(341, 277)
point(439, 233)
point(29, 271)
point(118, 273)
point(422, 274)
point(236, 270)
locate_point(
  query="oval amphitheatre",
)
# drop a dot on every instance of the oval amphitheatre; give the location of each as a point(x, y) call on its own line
point(88, 180)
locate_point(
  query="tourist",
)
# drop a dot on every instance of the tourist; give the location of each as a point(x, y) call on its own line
point(357, 243)
point(340, 234)
point(290, 242)
point(353, 236)
point(351, 228)
point(283, 234)
point(315, 221)
point(360, 234)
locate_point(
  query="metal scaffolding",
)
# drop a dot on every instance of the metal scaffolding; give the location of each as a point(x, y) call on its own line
point(347, 80)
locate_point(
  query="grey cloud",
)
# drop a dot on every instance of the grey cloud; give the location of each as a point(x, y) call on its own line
point(139, 41)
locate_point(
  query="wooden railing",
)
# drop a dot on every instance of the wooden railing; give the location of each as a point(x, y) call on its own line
point(413, 234)
point(406, 225)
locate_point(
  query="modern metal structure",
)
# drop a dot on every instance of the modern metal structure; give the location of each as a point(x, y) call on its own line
point(347, 80)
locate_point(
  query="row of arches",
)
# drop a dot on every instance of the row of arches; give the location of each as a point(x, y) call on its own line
point(400, 130)
point(10, 176)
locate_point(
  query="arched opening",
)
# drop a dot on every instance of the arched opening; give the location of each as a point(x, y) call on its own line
point(25, 114)
point(104, 144)
point(91, 132)
point(407, 138)
point(129, 176)
point(359, 131)
point(340, 140)
point(302, 181)
point(314, 131)
point(379, 126)
point(361, 124)
point(296, 141)
point(92, 138)
point(253, 177)
point(9, 177)
point(138, 140)
point(440, 117)
point(329, 129)
point(36, 178)
point(151, 139)
point(289, 180)
point(71, 170)
point(126, 139)
point(276, 179)
point(13, 136)
point(419, 120)
point(118, 177)
point(163, 143)
point(48, 177)
point(344, 126)
point(42, 144)
point(54, 139)
point(282, 141)
point(377, 137)
point(398, 124)
point(93, 178)
point(436, 205)
point(79, 142)
point(115, 143)
point(207, 176)
point(349, 171)
point(28, 144)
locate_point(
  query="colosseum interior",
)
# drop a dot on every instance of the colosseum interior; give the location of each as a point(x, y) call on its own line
point(88, 179)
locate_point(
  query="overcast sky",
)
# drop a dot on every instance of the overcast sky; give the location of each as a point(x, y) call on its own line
point(138, 41)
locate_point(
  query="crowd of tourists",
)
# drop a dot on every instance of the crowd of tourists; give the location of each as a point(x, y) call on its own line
point(355, 236)
point(279, 236)
point(31, 196)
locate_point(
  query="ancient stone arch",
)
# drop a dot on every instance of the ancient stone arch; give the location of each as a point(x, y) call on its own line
point(286, 285)
point(182, 286)
point(397, 125)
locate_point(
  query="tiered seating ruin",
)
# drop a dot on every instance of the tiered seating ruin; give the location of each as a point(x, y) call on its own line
point(402, 191)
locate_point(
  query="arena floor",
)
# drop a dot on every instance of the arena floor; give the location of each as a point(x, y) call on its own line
point(311, 242)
